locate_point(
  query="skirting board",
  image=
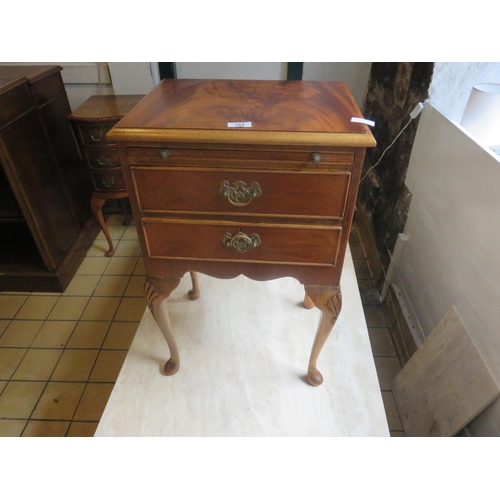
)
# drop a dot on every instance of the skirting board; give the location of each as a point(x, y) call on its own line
point(445, 384)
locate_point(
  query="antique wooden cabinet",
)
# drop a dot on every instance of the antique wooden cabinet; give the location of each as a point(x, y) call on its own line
point(45, 219)
point(91, 122)
point(244, 177)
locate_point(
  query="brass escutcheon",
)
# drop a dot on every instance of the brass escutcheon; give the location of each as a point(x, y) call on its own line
point(241, 242)
point(239, 194)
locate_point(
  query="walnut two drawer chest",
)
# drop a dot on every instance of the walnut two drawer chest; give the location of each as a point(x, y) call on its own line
point(258, 178)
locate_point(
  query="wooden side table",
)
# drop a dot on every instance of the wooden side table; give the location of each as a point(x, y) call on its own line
point(244, 177)
point(91, 122)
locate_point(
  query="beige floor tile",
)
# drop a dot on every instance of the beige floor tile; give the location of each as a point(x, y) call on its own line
point(46, 428)
point(115, 232)
point(54, 334)
point(387, 369)
point(356, 250)
point(82, 285)
point(374, 316)
point(399, 434)
point(98, 248)
point(121, 265)
point(111, 286)
point(37, 307)
point(68, 308)
point(75, 365)
point(10, 305)
point(362, 269)
point(37, 364)
point(9, 361)
point(93, 402)
point(131, 309)
point(130, 233)
point(115, 220)
point(88, 334)
point(135, 287)
point(19, 398)
point(381, 342)
point(139, 269)
point(108, 366)
point(59, 401)
point(94, 266)
point(128, 248)
point(20, 333)
point(121, 334)
point(11, 428)
point(82, 429)
point(3, 383)
point(101, 308)
point(391, 411)
point(4, 323)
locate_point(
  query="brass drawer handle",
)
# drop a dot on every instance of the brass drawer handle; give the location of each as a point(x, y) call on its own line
point(315, 157)
point(164, 154)
point(103, 161)
point(108, 181)
point(96, 135)
point(240, 195)
point(241, 242)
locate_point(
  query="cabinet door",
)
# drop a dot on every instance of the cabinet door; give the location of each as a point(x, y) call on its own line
point(33, 176)
point(53, 106)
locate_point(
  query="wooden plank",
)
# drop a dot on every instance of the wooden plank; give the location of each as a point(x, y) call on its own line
point(445, 384)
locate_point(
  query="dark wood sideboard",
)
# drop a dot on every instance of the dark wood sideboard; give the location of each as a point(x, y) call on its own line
point(46, 224)
point(244, 177)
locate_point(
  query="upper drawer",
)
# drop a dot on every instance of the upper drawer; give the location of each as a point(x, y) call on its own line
point(247, 192)
point(94, 134)
point(238, 158)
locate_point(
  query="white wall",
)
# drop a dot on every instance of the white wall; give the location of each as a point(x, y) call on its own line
point(232, 70)
point(452, 83)
point(354, 74)
point(81, 79)
point(131, 78)
point(451, 256)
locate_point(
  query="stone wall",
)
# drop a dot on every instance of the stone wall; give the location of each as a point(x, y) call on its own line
point(394, 89)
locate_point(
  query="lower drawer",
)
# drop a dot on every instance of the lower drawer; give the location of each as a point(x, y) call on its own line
point(109, 182)
point(224, 241)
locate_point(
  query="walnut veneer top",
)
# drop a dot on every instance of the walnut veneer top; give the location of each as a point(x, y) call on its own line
point(281, 112)
point(105, 107)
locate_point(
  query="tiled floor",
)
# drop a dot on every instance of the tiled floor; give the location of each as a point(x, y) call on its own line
point(385, 355)
point(60, 354)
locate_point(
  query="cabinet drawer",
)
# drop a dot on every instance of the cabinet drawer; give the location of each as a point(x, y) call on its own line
point(248, 192)
point(107, 182)
point(95, 134)
point(103, 158)
point(237, 158)
point(196, 240)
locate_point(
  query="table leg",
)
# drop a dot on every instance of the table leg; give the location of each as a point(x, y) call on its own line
point(194, 293)
point(126, 218)
point(156, 291)
point(96, 205)
point(329, 301)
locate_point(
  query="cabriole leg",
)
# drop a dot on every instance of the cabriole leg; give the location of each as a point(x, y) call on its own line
point(194, 293)
point(156, 291)
point(329, 301)
point(96, 205)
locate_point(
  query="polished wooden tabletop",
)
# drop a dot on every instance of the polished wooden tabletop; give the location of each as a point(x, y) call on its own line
point(274, 111)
